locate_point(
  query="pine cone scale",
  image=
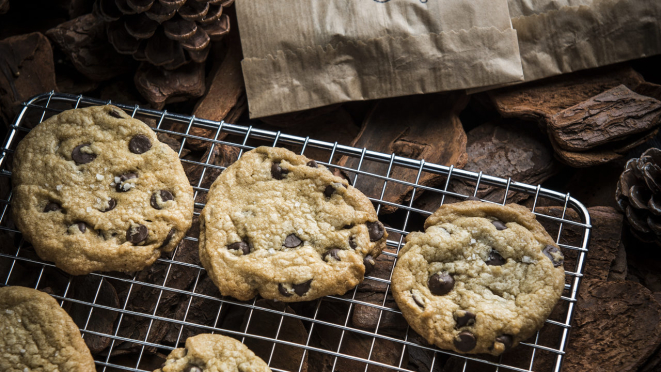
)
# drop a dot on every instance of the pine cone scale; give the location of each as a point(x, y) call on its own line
point(140, 26)
point(140, 6)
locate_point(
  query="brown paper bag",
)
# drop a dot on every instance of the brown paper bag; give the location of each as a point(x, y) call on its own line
point(561, 36)
point(300, 54)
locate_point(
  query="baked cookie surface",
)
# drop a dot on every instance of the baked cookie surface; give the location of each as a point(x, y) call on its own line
point(37, 335)
point(94, 189)
point(207, 352)
point(480, 279)
point(281, 225)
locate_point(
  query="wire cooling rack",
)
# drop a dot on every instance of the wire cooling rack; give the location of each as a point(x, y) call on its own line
point(131, 321)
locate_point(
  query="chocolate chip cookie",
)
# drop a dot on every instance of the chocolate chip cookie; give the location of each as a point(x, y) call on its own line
point(37, 335)
point(283, 226)
point(480, 279)
point(207, 352)
point(94, 189)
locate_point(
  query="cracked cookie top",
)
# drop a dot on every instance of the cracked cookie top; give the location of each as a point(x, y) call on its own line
point(37, 335)
point(94, 189)
point(283, 226)
point(480, 279)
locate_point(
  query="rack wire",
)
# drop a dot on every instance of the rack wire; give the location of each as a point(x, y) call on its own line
point(153, 312)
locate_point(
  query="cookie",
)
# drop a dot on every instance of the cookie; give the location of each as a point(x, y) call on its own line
point(283, 226)
point(37, 335)
point(480, 279)
point(207, 352)
point(94, 189)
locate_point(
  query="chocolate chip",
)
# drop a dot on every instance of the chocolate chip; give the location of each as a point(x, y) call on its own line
point(165, 196)
point(190, 368)
point(551, 251)
point(82, 226)
point(499, 225)
point(346, 227)
point(333, 253)
point(329, 190)
point(283, 291)
point(292, 241)
point(312, 164)
point(137, 234)
point(417, 298)
point(119, 187)
point(169, 237)
point(240, 246)
point(303, 288)
point(474, 198)
point(112, 203)
point(495, 259)
point(278, 172)
point(375, 230)
point(467, 319)
point(465, 341)
point(440, 284)
point(369, 263)
point(52, 207)
point(352, 243)
point(506, 340)
point(81, 157)
point(115, 113)
point(139, 144)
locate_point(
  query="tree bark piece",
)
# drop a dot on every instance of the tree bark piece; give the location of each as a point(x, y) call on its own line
point(367, 317)
point(160, 86)
point(4, 6)
point(26, 69)
point(101, 320)
point(419, 127)
point(84, 42)
point(607, 117)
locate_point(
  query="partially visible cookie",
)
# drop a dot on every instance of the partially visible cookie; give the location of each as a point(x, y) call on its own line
point(37, 335)
point(283, 226)
point(480, 279)
point(94, 189)
point(207, 352)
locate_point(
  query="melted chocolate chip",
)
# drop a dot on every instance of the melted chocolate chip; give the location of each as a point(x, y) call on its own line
point(506, 340)
point(139, 144)
point(417, 299)
point(137, 234)
point(283, 291)
point(440, 284)
point(81, 157)
point(551, 251)
point(278, 172)
point(190, 368)
point(240, 246)
point(369, 263)
point(119, 187)
point(112, 203)
point(499, 225)
point(473, 198)
point(352, 243)
point(312, 164)
point(82, 226)
point(495, 259)
point(467, 319)
point(303, 288)
point(169, 237)
point(115, 113)
point(465, 341)
point(333, 253)
point(375, 230)
point(329, 190)
point(165, 196)
point(292, 241)
point(52, 207)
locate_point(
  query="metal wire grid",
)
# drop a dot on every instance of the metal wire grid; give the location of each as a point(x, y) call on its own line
point(48, 104)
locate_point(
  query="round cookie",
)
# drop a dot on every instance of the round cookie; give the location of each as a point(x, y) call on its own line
point(207, 352)
point(281, 225)
point(37, 335)
point(94, 189)
point(482, 278)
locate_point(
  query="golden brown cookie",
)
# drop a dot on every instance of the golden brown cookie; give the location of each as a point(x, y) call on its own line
point(37, 335)
point(480, 279)
point(94, 189)
point(283, 226)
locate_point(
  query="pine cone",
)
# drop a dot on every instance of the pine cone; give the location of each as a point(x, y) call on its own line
point(639, 195)
point(166, 33)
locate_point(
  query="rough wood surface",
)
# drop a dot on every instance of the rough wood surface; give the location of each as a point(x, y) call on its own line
point(26, 69)
point(604, 118)
point(429, 128)
point(160, 86)
point(84, 288)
